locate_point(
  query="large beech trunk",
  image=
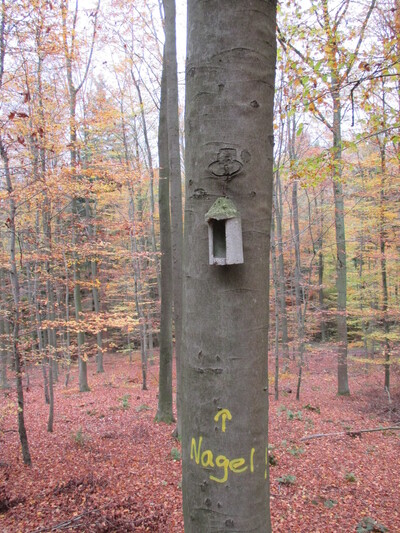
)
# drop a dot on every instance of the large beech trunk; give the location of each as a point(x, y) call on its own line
point(229, 140)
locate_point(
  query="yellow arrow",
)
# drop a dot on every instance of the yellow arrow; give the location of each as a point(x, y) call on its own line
point(223, 414)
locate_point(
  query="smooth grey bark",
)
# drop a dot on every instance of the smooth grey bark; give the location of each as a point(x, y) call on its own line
point(96, 303)
point(4, 340)
point(298, 287)
point(95, 290)
point(3, 358)
point(383, 258)
point(320, 268)
point(229, 143)
point(165, 411)
point(298, 282)
point(151, 172)
point(175, 185)
point(335, 86)
point(82, 362)
point(278, 210)
point(67, 334)
point(341, 256)
point(336, 78)
point(150, 338)
point(276, 305)
point(137, 279)
point(279, 278)
point(39, 168)
point(40, 334)
point(50, 311)
point(361, 285)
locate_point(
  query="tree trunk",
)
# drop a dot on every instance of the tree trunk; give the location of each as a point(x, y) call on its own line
point(3, 357)
point(229, 139)
point(276, 305)
point(82, 362)
point(341, 267)
point(138, 289)
point(4, 341)
point(151, 172)
point(67, 333)
point(361, 287)
point(95, 291)
point(278, 209)
point(165, 412)
point(51, 332)
point(298, 288)
point(320, 243)
point(383, 262)
point(175, 184)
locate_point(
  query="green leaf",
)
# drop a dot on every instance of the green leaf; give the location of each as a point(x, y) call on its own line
point(300, 129)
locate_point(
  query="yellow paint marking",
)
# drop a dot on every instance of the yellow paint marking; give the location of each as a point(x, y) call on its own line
point(224, 414)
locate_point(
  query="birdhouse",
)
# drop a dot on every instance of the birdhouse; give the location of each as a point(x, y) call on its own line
point(225, 243)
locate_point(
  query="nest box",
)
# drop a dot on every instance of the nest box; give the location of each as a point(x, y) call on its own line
point(225, 243)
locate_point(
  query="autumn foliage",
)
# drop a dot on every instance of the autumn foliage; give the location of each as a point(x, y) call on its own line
point(80, 269)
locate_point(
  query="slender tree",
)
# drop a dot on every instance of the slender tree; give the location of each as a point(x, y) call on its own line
point(164, 412)
point(175, 183)
point(337, 65)
point(73, 90)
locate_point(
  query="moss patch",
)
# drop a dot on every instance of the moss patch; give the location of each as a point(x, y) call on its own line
point(222, 209)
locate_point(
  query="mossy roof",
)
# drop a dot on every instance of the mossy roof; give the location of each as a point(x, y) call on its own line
point(222, 209)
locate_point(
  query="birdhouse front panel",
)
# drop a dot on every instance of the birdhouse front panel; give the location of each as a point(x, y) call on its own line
point(225, 243)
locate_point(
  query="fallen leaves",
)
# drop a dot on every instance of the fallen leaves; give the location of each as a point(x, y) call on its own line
point(109, 468)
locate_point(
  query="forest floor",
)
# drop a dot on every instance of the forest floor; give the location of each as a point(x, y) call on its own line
point(108, 467)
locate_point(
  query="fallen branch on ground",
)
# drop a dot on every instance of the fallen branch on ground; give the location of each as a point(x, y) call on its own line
point(67, 523)
point(354, 433)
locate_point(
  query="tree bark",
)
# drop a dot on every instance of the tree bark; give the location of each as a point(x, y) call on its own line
point(229, 140)
point(3, 357)
point(276, 305)
point(383, 261)
point(341, 257)
point(138, 289)
point(298, 288)
point(3, 337)
point(95, 289)
point(320, 243)
point(151, 172)
point(164, 411)
point(175, 185)
point(278, 209)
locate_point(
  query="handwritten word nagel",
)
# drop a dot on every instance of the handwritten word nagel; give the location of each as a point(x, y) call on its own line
point(208, 459)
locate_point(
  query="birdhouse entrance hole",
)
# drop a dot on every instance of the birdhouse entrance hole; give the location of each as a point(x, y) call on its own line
point(219, 238)
point(224, 233)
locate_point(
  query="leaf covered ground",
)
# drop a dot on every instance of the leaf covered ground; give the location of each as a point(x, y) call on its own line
point(108, 467)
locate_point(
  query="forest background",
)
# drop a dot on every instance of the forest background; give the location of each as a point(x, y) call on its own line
point(80, 256)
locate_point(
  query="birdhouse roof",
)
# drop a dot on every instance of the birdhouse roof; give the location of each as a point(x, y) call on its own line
point(222, 209)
